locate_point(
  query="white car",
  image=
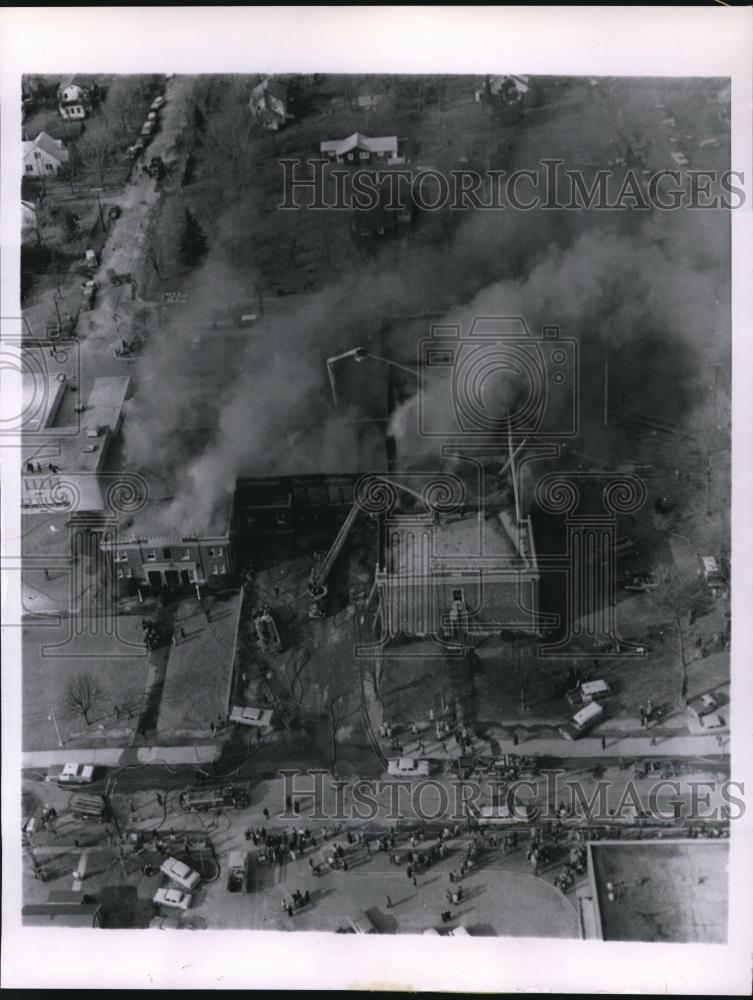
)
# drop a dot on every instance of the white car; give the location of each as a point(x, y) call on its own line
point(157, 103)
point(361, 924)
point(409, 766)
point(180, 873)
point(76, 774)
point(173, 897)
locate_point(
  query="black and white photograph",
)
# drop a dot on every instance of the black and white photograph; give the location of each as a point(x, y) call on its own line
point(370, 546)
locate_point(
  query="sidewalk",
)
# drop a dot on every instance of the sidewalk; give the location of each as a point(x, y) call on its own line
point(122, 756)
point(681, 745)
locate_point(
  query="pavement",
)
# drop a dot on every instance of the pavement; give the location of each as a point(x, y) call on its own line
point(123, 756)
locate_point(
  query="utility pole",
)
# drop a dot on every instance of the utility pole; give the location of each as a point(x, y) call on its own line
point(51, 716)
point(99, 203)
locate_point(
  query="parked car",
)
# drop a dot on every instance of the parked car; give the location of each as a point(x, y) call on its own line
point(409, 766)
point(114, 212)
point(361, 924)
point(459, 932)
point(588, 691)
point(147, 128)
point(703, 705)
point(173, 897)
point(157, 103)
point(134, 152)
point(179, 872)
point(711, 722)
point(76, 774)
point(582, 722)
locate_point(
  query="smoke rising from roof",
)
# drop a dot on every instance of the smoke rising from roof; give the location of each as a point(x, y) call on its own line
point(256, 401)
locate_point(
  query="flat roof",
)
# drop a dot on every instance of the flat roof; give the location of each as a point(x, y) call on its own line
point(152, 525)
point(105, 403)
point(663, 890)
point(40, 399)
point(462, 542)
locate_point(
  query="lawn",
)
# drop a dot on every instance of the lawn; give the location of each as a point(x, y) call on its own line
point(53, 655)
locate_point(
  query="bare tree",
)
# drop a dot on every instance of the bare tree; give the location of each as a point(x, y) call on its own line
point(523, 650)
point(679, 598)
point(82, 695)
point(97, 148)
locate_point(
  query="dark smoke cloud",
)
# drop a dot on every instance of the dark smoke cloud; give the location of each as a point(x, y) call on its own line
point(256, 403)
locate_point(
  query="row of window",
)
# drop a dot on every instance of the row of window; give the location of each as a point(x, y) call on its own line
point(215, 552)
point(30, 168)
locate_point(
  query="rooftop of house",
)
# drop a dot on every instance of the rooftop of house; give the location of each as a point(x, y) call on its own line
point(152, 525)
point(378, 144)
point(471, 541)
point(53, 147)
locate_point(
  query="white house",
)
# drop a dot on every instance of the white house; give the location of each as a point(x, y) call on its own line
point(72, 101)
point(358, 148)
point(44, 156)
point(510, 89)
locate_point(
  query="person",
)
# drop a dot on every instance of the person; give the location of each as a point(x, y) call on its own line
point(409, 871)
point(290, 911)
point(415, 882)
point(266, 812)
point(307, 898)
point(247, 833)
point(388, 902)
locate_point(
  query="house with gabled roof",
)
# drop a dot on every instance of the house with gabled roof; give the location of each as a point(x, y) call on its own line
point(44, 156)
point(360, 149)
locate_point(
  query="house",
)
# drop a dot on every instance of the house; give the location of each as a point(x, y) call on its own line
point(360, 149)
point(44, 156)
point(73, 100)
point(269, 103)
point(149, 553)
point(470, 572)
point(507, 89)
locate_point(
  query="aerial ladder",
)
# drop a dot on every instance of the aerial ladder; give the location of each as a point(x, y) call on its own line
point(317, 584)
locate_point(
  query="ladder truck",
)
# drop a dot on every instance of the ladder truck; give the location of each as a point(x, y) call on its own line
point(317, 583)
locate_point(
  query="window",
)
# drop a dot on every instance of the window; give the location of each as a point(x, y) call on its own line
point(363, 156)
point(151, 555)
point(215, 552)
point(349, 156)
point(186, 554)
point(280, 519)
point(167, 554)
point(457, 595)
point(125, 573)
point(121, 556)
point(29, 168)
point(48, 167)
point(192, 575)
point(37, 155)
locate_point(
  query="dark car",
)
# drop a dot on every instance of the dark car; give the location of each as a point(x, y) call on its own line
point(114, 212)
